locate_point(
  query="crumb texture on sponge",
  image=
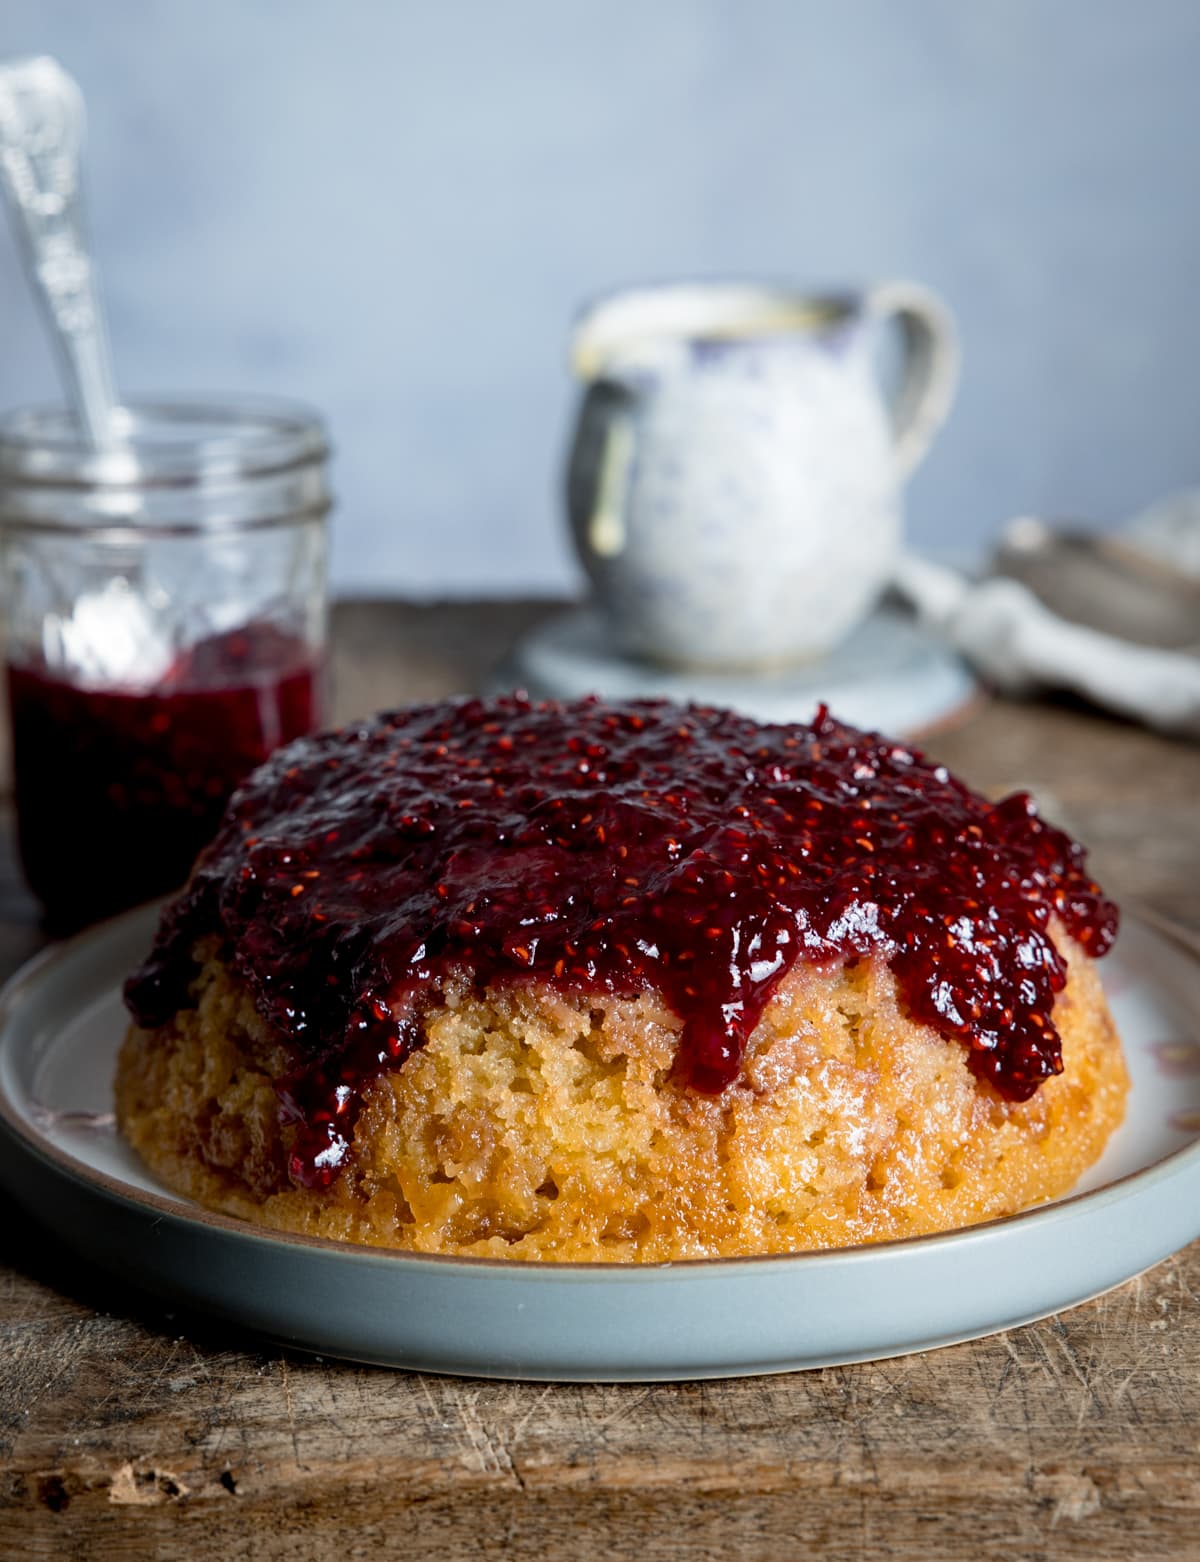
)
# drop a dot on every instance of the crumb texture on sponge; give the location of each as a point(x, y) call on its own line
point(536, 1125)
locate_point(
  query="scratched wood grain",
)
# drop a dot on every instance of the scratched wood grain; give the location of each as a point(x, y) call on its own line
point(129, 1432)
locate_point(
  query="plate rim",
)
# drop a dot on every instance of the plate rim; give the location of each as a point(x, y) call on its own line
point(30, 1141)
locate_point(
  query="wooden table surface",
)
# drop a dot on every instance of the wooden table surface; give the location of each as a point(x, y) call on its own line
point(129, 1431)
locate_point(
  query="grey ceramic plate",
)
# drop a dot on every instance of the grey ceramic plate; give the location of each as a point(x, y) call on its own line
point(60, 1024)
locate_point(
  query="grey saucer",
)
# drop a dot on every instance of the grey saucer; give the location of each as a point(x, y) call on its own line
point(888, 675)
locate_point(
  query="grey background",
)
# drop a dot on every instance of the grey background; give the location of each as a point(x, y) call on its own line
point(393, 210)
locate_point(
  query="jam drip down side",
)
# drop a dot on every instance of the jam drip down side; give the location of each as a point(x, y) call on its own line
point(616, 848)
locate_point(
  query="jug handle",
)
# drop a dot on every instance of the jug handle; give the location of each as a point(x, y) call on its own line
point(606, 525)
point(930, 366)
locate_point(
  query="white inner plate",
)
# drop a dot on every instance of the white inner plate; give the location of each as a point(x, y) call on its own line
point(61, 1022)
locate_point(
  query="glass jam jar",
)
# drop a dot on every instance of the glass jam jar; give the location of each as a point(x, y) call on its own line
point(165, 618)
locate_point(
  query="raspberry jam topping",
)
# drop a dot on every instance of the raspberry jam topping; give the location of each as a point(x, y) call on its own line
point(615, 848)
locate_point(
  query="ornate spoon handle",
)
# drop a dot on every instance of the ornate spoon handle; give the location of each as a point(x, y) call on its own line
point(41, 132)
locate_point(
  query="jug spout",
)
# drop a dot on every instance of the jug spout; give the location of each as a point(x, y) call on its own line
point(655, 328)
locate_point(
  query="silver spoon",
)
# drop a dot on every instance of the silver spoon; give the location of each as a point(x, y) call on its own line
point(41, 135)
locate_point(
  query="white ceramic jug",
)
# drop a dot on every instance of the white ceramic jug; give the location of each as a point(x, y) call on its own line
point(734, 482)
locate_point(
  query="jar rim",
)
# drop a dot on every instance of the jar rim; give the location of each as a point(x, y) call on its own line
point(124, 533)
point(163, 442)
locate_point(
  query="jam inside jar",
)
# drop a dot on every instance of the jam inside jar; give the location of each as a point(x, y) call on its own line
point(165, 610)
point(118, 789)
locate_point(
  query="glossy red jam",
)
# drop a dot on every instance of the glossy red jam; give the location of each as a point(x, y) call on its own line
point(614, 848)
point(117, 789)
